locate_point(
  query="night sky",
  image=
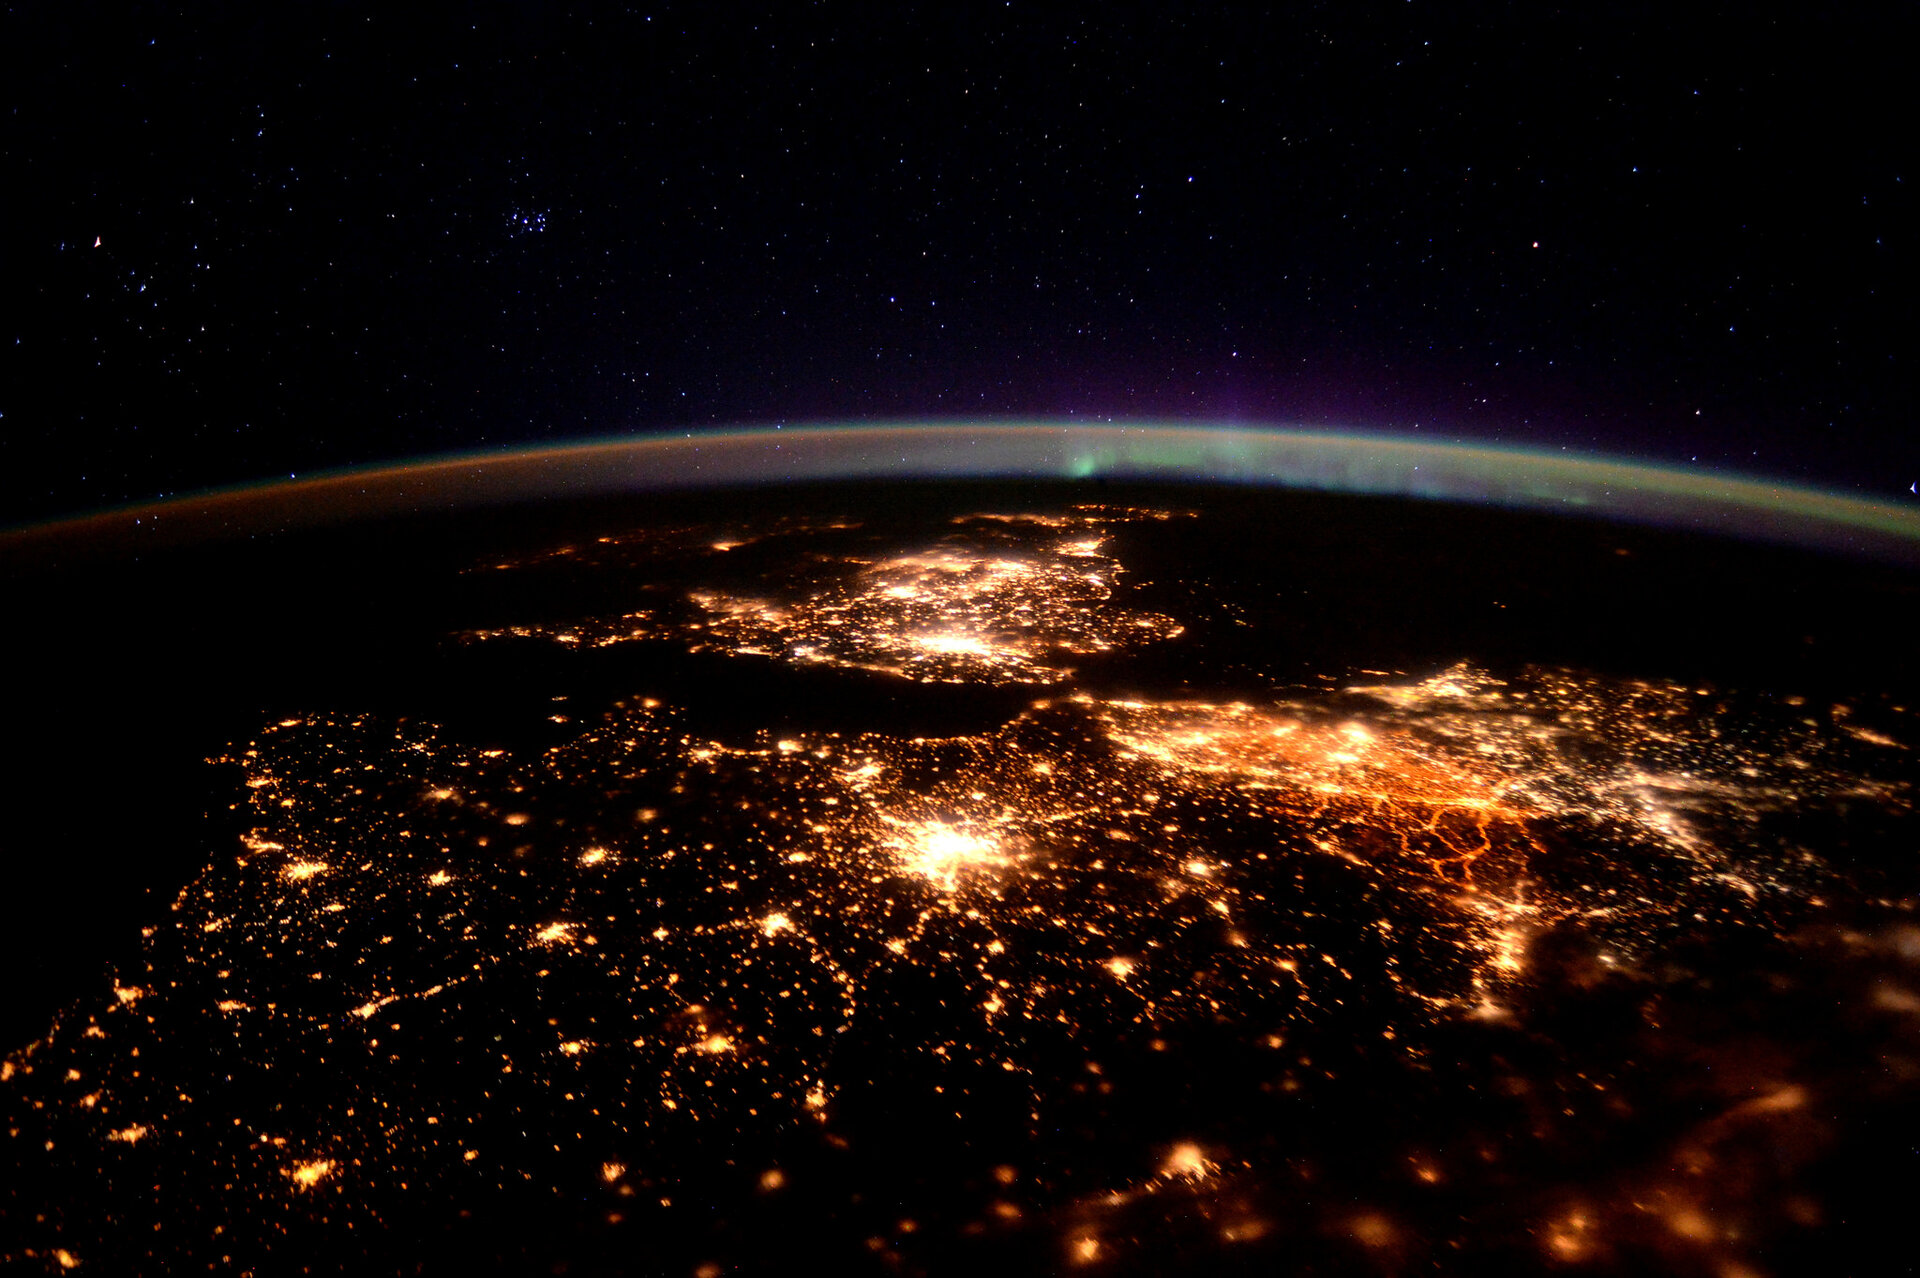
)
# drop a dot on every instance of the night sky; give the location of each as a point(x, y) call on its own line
point(252, 241)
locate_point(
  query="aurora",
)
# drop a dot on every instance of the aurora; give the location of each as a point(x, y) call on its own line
point(1350, 462)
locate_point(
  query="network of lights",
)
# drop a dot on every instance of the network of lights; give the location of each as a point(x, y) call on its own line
point(438, 968)
point(1002, 599)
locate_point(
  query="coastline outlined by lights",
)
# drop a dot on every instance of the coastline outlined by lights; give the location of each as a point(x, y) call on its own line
point(1065, 957)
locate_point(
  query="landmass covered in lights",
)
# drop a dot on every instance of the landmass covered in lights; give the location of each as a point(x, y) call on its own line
point(1015, 990)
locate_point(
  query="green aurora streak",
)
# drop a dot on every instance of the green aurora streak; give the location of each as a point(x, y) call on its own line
point(1325, 461)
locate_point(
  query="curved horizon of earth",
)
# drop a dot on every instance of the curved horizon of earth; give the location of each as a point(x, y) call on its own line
point(1353, 462)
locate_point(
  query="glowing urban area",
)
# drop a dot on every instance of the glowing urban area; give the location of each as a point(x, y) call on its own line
point(649, 955)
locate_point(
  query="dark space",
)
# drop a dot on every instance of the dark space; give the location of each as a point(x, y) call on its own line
point(246, 243)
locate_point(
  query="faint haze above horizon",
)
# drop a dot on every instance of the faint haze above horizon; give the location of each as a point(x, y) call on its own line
point(726, 464)
point(251, 245)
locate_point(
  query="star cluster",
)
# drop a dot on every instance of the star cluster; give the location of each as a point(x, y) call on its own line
point(258, 246)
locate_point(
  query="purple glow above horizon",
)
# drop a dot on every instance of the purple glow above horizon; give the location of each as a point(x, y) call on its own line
point(1338, 462)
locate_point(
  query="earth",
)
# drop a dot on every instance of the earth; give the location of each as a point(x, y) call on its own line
point(939, 878)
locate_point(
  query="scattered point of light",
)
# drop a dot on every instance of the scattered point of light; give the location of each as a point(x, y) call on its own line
point(307, 1175)
point(1008, 864)
point(1186, 1161)
point(941, 852)
point(1371, 1229)
point(1570, 1238)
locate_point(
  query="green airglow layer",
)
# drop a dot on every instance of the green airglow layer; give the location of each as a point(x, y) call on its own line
point(1327, 461)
